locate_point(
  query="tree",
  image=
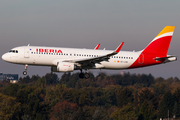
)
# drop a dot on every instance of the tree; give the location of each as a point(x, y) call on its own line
point(63, 110)
point(146, 80)
point(9, 107)
point(166, 104)
point(176, 109)
point(148, 94)
point(41, 82)
point(11, 90)
point(124, 97)
point(51, 78)
point(147, 111)
point(84, 98)
point(100, 114)
point(124, 113)
point(25, 80)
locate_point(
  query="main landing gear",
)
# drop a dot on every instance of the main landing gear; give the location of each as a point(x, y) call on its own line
point(84, 75)
point(25, 68)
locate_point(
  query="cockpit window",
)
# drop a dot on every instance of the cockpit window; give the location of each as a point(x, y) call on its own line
point(14, 51)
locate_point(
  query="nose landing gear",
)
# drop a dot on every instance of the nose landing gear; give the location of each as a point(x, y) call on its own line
point(25, 68)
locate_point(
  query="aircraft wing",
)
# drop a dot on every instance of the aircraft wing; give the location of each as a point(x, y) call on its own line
point(93, 60)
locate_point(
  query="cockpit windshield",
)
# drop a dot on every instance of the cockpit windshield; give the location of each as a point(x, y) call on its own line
point(13, 51)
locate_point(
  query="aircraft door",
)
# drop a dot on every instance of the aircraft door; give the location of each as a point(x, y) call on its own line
point(26, 52)
point(141, 59)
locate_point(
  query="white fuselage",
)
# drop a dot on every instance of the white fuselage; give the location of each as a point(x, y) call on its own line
point(49, 56)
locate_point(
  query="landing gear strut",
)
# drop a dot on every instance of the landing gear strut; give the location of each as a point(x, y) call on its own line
point(84, 75)
point(25, 68)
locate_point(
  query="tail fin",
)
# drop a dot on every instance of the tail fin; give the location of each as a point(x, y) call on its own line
point(160, 44)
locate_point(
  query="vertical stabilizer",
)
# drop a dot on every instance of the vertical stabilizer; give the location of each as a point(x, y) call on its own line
point(160, 44)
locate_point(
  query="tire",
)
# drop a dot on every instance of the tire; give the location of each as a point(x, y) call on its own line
point(81, 75)
point(24, 72)
point(86, 75)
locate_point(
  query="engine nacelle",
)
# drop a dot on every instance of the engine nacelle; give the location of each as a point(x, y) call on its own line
point(63, 67)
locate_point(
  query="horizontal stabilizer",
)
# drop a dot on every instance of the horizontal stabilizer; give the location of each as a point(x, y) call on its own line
point(166, 59)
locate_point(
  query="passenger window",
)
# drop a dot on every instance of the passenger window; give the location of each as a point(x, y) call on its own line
point(16, 51)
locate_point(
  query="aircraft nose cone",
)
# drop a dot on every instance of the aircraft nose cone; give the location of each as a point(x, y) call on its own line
point(4, 57)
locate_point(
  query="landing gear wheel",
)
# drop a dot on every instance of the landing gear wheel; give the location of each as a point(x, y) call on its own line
point(25, 68)
point(24, 72)
point(81, 75)
point(86, 75)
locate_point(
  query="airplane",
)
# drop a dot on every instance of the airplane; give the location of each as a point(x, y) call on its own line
point(69, 59)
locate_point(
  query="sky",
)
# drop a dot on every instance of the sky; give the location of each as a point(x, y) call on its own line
point(84, 24)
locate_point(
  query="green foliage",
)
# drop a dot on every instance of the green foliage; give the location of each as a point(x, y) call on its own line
point(51, 78)
point(9, 107)
point(41, 82)
point(124, 113)
point(166, 104)
point(11, 90)
point(124, 97)
point(107, 97)
point(147, 111)
point(63, 110)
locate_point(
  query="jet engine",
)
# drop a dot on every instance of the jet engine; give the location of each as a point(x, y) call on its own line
point(63, 67)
